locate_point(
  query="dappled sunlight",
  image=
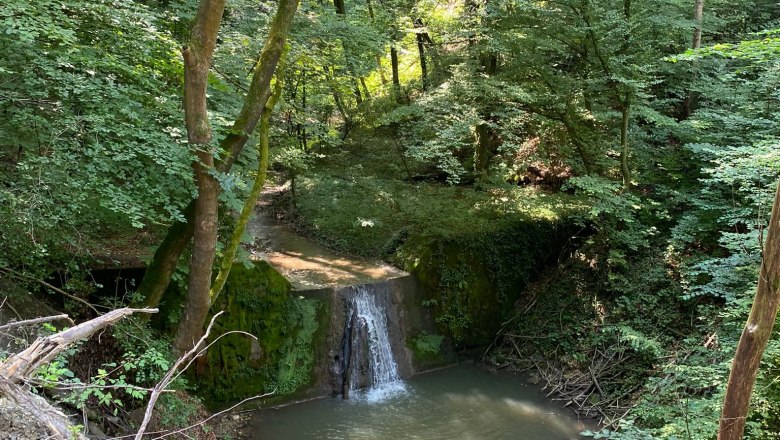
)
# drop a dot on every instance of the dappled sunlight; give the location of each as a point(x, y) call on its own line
point(308, 264)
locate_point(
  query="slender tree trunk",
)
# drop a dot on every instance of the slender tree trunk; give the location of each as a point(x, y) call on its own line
point(755, 335)
point(378, 58)
point(197, 61)
point(582, 149)
point(302, 127)
point(365, 88)
point(337, 97)
point(689, 104)
point(625, 170)
point(204, 246)
point(166, 257)
point(396, 79)
point(421, 48)
point(381, 70)
point(698, 13)
point(356, 90)
point(257, 187)
point(482, 149)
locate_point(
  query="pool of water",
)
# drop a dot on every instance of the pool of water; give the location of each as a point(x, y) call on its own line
point(457, 403)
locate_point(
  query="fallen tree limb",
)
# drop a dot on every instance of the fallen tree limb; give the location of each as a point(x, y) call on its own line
point(171, 376)
point(16, 324)
point(43, 350)
point(19, 367)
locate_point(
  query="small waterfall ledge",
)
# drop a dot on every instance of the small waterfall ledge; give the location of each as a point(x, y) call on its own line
point(367, 358)
point(364, 325)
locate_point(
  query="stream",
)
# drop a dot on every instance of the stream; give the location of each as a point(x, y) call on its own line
point(456, 403)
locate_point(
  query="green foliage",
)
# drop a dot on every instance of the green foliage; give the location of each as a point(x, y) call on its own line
point(297, 361)
point(91, 123)
point(256, 300)
point(114, 386)
point(428, 344)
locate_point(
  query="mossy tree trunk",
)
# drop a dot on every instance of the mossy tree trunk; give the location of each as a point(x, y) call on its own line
point(205, 235)
point(755, 335)
point(257, 187)
point(166, 257)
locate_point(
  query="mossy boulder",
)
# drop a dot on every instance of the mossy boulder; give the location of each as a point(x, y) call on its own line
point(256, 300)
point(472, 281)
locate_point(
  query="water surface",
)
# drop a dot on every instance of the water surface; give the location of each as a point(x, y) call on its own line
point(458, 403)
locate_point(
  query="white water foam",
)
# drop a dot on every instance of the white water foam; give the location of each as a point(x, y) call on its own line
point(384, 379)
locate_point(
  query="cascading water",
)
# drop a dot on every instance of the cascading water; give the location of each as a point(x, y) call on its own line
point(368, 360)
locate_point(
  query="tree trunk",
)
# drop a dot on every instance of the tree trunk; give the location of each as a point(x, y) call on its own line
point(698, 13)
point(166, 258)
point(378, 59)
point(257, 187)
point(341, 8)
point(396, 80)
point(625, 170)
point(197, 61)
point(365, 88)
point(755, 335)
point(179, 234)
point(356, 90)
point(689, 103)
point(482, 149)
point(337, 99)
point(418, 24)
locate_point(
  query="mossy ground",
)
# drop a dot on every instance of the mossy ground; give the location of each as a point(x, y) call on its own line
point(256, 300)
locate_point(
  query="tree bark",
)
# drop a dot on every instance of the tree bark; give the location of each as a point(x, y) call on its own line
point(418, 24)
point(257, 187)
point(689, 103)
point(625, 170)
point(197, 61)
point(166, 257)
point(755, 335)
point(698, 13)
point(396, 79)
point(366, 93)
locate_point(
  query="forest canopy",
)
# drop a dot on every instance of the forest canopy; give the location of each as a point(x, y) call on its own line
point(142, 132)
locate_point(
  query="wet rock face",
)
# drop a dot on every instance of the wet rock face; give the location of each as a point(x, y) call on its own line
point(17, 424)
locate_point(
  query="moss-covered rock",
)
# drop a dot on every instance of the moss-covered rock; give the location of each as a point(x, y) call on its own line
point(473, 281)
point(256, 300)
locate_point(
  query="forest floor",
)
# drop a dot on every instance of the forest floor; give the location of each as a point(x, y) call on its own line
point(364, 196)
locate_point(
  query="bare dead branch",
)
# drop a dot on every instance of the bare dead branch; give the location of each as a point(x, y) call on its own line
point(178, 431)
point(43, 350)
point(26, 322)
point(171, 375)
point(21, 366)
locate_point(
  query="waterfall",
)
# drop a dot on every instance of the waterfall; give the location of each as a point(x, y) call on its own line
point(368, 360)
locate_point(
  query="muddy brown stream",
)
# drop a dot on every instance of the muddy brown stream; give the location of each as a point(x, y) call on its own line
point(456, 403)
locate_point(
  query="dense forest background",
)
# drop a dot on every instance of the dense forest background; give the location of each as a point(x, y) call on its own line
point(648, 130)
